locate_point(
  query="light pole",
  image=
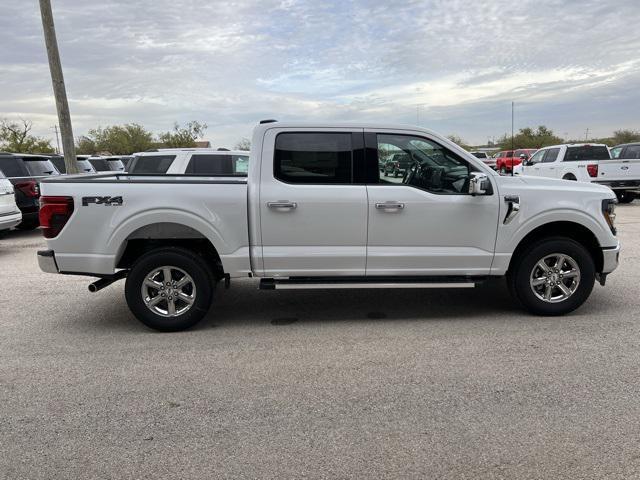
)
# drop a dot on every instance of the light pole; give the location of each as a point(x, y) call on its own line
point(59, 90)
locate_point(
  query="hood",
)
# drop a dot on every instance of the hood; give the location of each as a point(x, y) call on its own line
point(555, 184)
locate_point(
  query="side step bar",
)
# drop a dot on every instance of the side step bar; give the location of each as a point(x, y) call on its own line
point(302, 283)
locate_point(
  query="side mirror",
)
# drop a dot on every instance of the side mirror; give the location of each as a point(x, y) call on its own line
point(528, 163)
point(523, 156)
point(479, 184)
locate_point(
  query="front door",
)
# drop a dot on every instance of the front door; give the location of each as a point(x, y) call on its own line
point(425, 222)
point(549, 167)
point(313, 215)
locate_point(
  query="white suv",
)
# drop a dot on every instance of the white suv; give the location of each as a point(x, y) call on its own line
point(192, 161)
point(10, 215)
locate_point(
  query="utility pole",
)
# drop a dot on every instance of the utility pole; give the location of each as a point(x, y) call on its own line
point(59, 90)
point(55, 129)
point(586, 134)
point(512, 140)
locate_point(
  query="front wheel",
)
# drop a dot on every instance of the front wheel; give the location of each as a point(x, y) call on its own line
point(169, 289)
point(624, 196)
point(555, 276)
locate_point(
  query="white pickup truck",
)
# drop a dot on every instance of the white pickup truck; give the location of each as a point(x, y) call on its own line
point(585, 162)
point(316, 212)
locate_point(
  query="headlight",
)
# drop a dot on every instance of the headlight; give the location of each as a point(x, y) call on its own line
point(609, 212)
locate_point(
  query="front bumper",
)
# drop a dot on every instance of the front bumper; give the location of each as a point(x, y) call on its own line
point(47, 261)
point(611, 257)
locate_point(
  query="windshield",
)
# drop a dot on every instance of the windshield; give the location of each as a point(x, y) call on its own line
point(479, 154)
point(39, 167)
point(587, 152)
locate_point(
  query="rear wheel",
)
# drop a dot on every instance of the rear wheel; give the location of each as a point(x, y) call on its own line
point(555, 276)
point(169, 289)
point(625, 196)
point(570, 177)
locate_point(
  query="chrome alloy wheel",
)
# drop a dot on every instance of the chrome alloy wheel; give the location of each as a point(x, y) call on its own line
point(555, 278)
point(168, 291)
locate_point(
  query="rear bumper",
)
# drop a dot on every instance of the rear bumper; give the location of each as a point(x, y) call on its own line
point(611, 257)
point(10, 220)
point(47, 261)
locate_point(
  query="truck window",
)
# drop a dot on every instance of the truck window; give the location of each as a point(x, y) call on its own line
point(586, 152)
point(13, 167)
point(218, 165)
point(551, 155)
point(537, 158)
point(151, 164)
point(302, 157)
point(615, 152)
point(632, 151)
point(426, 165)
point(39, 167)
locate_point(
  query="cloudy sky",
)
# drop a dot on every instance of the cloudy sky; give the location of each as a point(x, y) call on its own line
point(453, 66)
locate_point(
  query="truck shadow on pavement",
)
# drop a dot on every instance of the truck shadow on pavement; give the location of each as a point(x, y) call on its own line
point(244, 305)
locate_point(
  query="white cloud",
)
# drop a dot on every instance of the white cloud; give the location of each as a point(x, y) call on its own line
point(232, 63)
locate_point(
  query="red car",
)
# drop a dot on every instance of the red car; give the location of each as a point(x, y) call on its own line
point(507, 159)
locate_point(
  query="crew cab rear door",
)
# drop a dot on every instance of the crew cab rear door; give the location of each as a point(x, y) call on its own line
point(425, 222)
point(313, 208)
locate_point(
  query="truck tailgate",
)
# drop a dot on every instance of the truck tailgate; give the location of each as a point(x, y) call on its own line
point(619, 173)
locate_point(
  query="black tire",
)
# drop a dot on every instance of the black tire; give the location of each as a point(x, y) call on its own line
point(570, 177)
point(624, 196)
point(185, 260)
point(518, 277)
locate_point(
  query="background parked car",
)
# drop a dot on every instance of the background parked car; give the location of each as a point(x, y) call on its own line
point(107, 164)
point(83, 164)
point(10, 215)
point(193, 161)
point(486, 158)
point(507, 159)
point(397, 165)
point(626, 151)
point(25, 172)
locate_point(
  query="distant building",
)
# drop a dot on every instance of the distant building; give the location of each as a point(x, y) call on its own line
point(203, 144)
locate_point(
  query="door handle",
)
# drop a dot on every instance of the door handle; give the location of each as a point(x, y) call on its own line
point(552, 168)
point(282, 204)
point(390, 206)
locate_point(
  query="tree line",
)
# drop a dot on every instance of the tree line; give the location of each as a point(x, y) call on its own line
point(16, 137)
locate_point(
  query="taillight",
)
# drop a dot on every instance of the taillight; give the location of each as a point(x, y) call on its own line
point(592, 170)
point(30, 189)
point(54, 213)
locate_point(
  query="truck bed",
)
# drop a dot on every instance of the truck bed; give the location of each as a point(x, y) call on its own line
point(112, 209)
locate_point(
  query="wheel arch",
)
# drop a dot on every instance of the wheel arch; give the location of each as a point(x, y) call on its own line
point(568, 229)
point(163, 234)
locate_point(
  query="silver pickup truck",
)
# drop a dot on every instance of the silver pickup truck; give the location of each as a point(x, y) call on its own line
point(316, 211)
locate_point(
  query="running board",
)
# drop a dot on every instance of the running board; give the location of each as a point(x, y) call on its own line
point(303, 283)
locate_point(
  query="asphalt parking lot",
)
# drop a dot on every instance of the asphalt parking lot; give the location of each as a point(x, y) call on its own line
point(324, 384)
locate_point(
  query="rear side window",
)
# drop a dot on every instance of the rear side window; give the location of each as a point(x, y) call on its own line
point(632, 152)
point(40, 167)
point(13, 167)
point(151, 163)
point(509, 154)
point(313, 158)
point(586, 152)
point(203, 164)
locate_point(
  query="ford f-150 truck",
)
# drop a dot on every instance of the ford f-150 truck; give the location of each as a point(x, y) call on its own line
point(316, 212)
point(585, 162)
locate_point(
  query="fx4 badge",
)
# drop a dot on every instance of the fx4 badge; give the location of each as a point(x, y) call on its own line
point(109, 201)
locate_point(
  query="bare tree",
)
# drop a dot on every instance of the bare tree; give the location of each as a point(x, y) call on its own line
point(15, 136)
